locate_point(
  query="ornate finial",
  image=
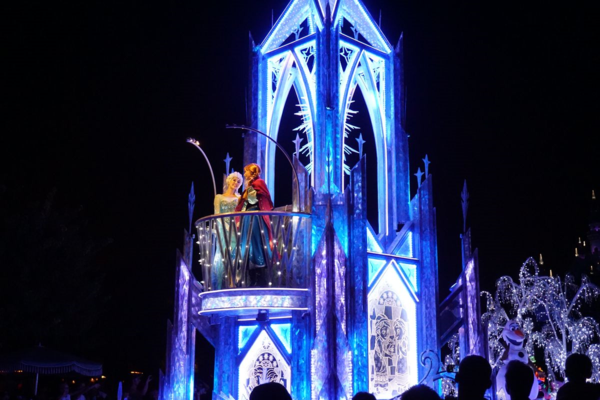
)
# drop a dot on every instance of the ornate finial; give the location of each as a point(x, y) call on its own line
point(426, 161)
point(191, 204)
point(541, 260)
point(419, 176)
point(297, 31)
point(227, 164)
point(464, 196)
point(297, 143)
point(361, 142)
point(593, 195)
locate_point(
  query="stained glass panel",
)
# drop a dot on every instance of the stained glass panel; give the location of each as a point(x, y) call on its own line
point(263, 363)
point(392, 336)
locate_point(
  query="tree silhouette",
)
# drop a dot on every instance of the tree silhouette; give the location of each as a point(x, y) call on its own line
point(50, 282)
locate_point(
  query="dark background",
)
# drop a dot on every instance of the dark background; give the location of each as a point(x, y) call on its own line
point(99, 97)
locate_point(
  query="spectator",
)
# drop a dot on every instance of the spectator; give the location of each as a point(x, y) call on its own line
point(519, 378)
point(473, 378)
point(364, 396)
point(578, 369)
point(135, 393)
point(270, 391)
point(64, 392)
point(420, 392)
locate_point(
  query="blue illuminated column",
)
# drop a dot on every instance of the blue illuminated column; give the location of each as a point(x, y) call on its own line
point(373, 294)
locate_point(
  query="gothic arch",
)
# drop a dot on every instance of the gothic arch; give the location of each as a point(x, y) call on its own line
point(362, 74)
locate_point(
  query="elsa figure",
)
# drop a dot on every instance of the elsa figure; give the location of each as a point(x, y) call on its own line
point(225, 203)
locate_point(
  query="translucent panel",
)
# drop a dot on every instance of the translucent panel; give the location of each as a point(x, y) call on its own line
point(374, 267)
point(244, 333)
point(406, 249)
point(410, 270)
point(284, 333)
point(392, 336)
point(372, 242)
point(263, 364)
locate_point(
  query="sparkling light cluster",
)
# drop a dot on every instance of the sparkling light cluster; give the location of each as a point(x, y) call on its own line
point(551, 315)
point(451, 362)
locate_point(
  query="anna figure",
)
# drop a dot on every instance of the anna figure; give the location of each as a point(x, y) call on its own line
point(256, 197)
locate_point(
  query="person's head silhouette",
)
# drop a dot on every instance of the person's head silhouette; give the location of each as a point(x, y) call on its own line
point(519, 378)
point(270, 391)
point(420, 392)
point(578, 367)
point(364, 396)
point(473, 377)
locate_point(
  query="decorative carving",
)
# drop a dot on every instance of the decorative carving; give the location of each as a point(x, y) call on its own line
point(389, 340)
point(419, 176)
point(361, 143)
point(263, 363)
point(464, 196)
point(426, 162)
point(191, 204)
point(227, 164)
point(297, 142)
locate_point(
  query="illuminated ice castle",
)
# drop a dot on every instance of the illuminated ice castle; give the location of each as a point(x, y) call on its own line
point(347, 307)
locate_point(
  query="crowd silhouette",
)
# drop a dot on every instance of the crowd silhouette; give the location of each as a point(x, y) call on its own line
point(474, 378)
point(578, 370)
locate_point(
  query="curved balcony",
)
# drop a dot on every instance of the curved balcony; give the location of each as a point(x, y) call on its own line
point(253, 261)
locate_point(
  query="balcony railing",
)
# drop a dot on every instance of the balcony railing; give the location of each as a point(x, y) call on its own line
point(254, 249)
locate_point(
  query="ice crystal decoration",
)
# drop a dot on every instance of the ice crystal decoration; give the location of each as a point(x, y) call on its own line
point(451, 362)
point(306, 128)
point(550, 312)
point(347, 129)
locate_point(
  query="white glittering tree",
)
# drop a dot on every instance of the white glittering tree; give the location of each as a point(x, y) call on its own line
point(551, 313)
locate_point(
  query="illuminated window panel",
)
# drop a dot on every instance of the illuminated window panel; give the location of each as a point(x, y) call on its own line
point(244, 334)
point(410, 270)
point(374, 267)
point(262, 364)
point(372, 242)
point(392, 336)
point(406, 249)
point(284, 333)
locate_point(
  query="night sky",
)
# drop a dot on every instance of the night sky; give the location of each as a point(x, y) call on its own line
point(99, 97)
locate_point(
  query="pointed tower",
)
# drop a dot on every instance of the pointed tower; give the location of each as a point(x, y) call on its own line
point(594, 224)
point(347, 307)
point(381, 286)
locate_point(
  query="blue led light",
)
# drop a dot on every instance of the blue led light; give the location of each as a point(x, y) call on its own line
point(406, 249)
point(284, 333)
point(411, 274)
point(374, 267)
point(244, 334)
point(372, 242)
